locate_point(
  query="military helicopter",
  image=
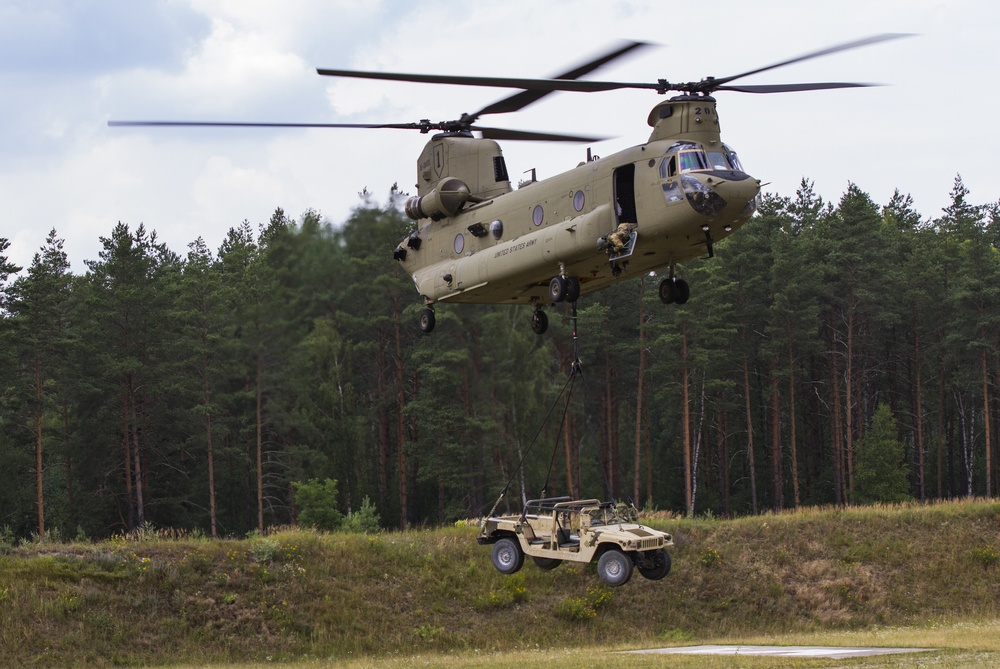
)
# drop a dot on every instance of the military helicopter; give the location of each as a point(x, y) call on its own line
point(477, 239)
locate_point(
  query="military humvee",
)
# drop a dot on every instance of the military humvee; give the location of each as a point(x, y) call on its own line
point(555, 529)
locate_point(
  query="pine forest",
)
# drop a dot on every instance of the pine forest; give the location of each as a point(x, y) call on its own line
point(830, 354)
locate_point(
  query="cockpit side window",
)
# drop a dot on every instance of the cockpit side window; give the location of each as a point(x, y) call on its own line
point(733, 159)
point(668, 167)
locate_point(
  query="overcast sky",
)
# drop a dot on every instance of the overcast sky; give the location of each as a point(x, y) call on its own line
point(69, 66)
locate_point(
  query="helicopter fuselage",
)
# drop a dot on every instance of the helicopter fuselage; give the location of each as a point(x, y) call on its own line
point(681, 193)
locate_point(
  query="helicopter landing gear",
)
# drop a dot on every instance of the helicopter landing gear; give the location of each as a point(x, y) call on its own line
point(539, 322)
point(674, 291)
point(426, 320)
point(564, 289)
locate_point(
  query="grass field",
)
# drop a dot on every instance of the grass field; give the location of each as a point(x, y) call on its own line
point(956, 646)
point(885, 576)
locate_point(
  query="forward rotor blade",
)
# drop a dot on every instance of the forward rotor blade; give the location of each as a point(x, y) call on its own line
point(792, 88)
point(545, 85)
point(874, 39)
point(533, 89)
point(505, 134)
point(530, 95)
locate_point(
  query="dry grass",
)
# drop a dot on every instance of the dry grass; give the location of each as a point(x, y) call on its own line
point(431, 597)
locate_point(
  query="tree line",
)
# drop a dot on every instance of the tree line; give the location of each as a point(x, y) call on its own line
point(830, 354)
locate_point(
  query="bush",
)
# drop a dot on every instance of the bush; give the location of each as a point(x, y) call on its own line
point(317, 504)
point(365, 520)
point(584, 608)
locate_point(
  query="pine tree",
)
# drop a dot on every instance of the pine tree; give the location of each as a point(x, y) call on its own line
point(40, 310)
point(880, 464)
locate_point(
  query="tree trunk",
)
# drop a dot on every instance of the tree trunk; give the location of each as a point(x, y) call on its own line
point(987, 424)
point(127, 453)
point(39, 478)
point(213, 522)
point(639, 393)
point(611, 465)
point(383, 420)
point(793, 441)
point(776, 478)
point(749, 417)
point(849, 399)
point(686, 423)
point(137, 468)
point(259, 451)
point(836, 432)
point(940, 434)
point(918, 411)
point(722, 458)
point(401, 420)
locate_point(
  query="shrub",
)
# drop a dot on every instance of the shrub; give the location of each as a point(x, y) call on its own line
point(585, 608)
point(986, 556)
point(365, 520)
point(317, 504)
point(710, 557)
point(512, 591)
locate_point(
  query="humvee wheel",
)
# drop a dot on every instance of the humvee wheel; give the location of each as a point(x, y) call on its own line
point(546, 564)
point(507, 556)
point(614, 567)
point(654, 565)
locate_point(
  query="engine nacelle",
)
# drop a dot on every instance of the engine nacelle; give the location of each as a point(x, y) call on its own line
point(446, 199)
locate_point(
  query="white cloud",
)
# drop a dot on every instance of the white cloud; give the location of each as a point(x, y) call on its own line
point(254, 60)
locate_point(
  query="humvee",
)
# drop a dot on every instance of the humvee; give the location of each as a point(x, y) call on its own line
point(557, 529)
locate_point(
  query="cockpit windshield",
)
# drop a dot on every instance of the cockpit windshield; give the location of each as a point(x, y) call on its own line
point(689, 157)
point(692, 160)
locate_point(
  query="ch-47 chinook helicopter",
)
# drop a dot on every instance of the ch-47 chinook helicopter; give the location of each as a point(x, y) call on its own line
point(478, 240)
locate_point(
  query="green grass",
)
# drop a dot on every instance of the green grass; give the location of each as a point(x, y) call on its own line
point(825, 576)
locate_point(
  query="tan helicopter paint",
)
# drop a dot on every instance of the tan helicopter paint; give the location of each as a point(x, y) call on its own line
point(518, 267)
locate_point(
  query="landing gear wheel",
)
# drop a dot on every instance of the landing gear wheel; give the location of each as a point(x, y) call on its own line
point(539, 322)
point(558, 289)
point(674, 291)
point(683, 291)
point(426, 320)
point(572, 289)
point(507, 556)
point(668, 292)
point(546, 564)
point(614, 567)
point(653, 565)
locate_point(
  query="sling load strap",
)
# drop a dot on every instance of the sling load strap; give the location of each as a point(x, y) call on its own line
point(562, 425)
point(527, 450)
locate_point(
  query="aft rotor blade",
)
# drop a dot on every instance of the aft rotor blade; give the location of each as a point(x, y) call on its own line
point(874, 39)
point(792, 88)
point(227, 124)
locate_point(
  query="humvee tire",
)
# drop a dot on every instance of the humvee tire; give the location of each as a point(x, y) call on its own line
point(653, 565)
point(614, 567)
point(546, 564)
point(507, 556)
